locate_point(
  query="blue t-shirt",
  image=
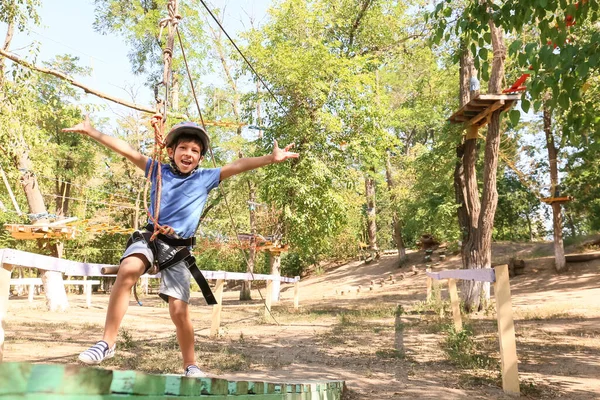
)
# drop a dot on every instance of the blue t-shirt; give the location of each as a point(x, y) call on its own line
point(182, 197)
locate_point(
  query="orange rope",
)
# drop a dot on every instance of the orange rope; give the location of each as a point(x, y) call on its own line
point(159, 144)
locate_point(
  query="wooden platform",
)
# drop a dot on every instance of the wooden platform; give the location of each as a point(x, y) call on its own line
point(41, 231)
point(562, 199)
point(476, 112)
point(50, 382)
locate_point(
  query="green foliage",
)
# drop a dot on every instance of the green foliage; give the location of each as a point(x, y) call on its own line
point(462, 349)
point(517, 215)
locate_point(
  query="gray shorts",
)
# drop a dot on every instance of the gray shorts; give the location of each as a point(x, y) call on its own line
point(175, 280)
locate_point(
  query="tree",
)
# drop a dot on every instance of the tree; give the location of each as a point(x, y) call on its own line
point(478, 214)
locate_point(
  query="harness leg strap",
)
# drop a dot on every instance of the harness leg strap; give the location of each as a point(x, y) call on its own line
point(190, 262)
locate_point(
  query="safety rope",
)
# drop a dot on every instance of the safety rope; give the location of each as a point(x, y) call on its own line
point(158, 121)
point(221, 189)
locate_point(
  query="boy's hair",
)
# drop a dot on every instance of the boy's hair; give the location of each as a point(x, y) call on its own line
point(187, 137)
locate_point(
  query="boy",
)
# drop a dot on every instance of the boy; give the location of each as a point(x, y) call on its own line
point(184, 192)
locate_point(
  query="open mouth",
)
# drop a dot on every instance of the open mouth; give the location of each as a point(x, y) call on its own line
point(186, 163)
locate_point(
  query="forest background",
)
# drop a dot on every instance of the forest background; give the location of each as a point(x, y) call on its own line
point(364, 89)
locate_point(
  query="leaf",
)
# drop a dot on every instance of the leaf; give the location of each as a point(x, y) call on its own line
point(514, 47)
point(483, 53)
point(525, 105)
point(522, 58)
point(487, 37)
point(563, 100)
point(514, 117)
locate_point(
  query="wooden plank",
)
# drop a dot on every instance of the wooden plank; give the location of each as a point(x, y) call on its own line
point(495, 97)
point(486, 112)
point(74, 268)
point(506, 332)
point(479, 274)
point(217, 308)
point(455, 303)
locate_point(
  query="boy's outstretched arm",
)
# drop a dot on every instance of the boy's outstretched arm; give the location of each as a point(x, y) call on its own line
point(117, 145)
point(247, 164)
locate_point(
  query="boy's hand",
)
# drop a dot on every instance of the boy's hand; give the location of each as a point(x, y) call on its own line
point(84, 127)
point(280, 155)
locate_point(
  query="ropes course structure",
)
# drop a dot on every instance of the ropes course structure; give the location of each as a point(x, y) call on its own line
point(158, 121)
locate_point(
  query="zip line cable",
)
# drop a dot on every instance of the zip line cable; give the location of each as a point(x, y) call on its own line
point(221, 189)
point(241, 54)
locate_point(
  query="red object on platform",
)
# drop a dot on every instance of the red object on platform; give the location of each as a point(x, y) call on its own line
point(517, 86)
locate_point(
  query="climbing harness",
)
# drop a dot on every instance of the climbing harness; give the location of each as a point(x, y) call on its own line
point(182, 254)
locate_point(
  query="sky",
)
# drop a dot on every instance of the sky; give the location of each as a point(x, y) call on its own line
point(67, 28)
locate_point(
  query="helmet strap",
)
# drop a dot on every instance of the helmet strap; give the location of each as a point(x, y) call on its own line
point(176, 170)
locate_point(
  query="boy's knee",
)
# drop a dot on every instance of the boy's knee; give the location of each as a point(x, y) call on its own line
point(131, 269)
point(178, 310)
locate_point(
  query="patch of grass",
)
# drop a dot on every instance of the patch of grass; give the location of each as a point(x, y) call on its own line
point(126, 341)
point(390, 354)
point(474, 379)
point(229, 360)
point(542, 314)
point(376, 311)
point(463, 351)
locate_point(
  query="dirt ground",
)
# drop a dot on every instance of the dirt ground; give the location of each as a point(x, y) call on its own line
point(357, 337)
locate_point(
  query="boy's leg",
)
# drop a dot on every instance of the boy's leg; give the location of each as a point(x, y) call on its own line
point(180, 315)
point(130, 270)
point(132, 266)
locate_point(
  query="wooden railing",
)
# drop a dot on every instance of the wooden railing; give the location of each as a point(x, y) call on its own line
point(506, 327)
point(10, 258)
point(32, 282)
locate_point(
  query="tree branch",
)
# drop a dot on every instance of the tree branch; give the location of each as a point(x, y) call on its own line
point(80, 85)
point(356, 24)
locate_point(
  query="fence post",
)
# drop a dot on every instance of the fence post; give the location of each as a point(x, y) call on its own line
point(506, 331)
point(455, 304)
point(296, 293)
point(5, 272)
point(429, 280)
point(269, 298)
point(216, 311)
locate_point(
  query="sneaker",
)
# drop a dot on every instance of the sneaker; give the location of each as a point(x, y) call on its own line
point(97, 353)
point(192, 371)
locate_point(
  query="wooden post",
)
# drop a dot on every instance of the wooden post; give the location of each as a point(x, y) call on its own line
point(5, 270)
point(31, 290)
point(472, 132)
point(296, 293)
point(429, 281)
point(269, 298)
point(216, 312)
point(506, 332)
point(87, 289)
point(455, 303)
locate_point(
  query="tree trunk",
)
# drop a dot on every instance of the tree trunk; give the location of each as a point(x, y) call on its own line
point(529, 227)
point(371, 213)
point(396, 222)
point(56, 297)
point(477, 252)
point(275, 262)
point(560, 263)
